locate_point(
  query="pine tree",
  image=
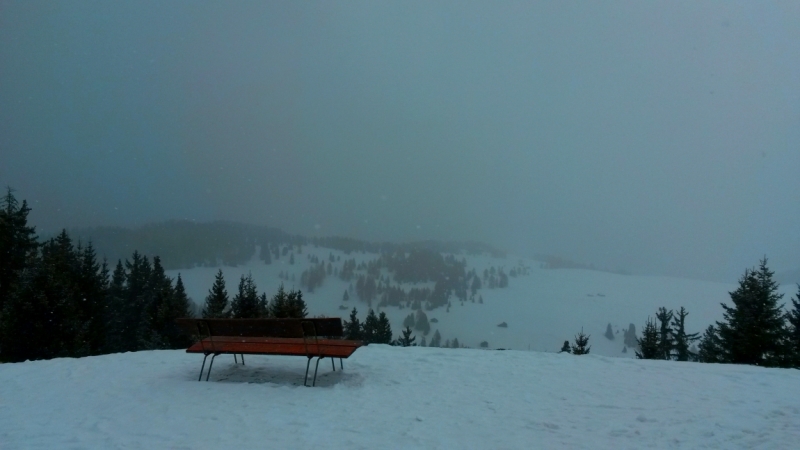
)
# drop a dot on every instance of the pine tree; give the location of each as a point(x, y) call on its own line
point(407, 340)
point(665, 341)
point(682, 340)
point(630, 336)
point(279, 306)
point(649, 347)
point(753, 330)
point(345, 296)
point(180, 306)
point(217, 299)
point(92, 284)
point(455, 343)
point(794, 330)
point(436, 340)
point(383, 333)
point(263, 306)
point(114, 314)
point(421, 322)
point(709, 350)
point(18, 243)
point(352, 328)
point(565, 348)
point(369, 330)
point(581, 346)
point(245, 304)
point(609, 332)
point(296, 306)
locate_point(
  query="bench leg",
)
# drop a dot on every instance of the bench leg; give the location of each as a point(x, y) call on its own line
point(333, 364)
point(315, 371)
point(242, 355)
point(305, 381)
point(209, 366)
point(341, 363)
point(200, 378)
point(235, 361)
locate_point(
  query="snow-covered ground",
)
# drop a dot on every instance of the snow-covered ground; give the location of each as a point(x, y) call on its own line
point(392, 397)
point(542, 309)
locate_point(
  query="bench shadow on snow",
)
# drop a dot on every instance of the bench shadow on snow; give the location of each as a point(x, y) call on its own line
point(259, 370)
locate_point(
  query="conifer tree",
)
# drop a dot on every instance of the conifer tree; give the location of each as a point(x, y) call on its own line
point(665, 341)
point(630, 336)
point(609, 332)
point(683, 340)
point(423, 343)
point(18, 242)
point(649, 347)
point(245, 303)
point(352, 328)
point(296, 306)
point(794, 330)
point(383, 334)
point(114, 315)
point(581, 346)
point(369, 330)
point(709, 350)
point(565, 348)
point(345, 296)
point(279, 306)
point(455, 343)
point(217, 300)
point(180, 306)
point(436, 340)
point(753, 330)
point(263, 306)
point(407, 340)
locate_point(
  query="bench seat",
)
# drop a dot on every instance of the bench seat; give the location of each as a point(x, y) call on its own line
point(325, 348)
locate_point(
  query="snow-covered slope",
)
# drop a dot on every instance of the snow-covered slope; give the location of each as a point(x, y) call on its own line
point(542, 309)
point(392, 397)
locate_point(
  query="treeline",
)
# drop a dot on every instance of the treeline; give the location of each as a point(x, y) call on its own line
point(248, 304)
point(58, 300)
point(184, 244)
point(756, 328)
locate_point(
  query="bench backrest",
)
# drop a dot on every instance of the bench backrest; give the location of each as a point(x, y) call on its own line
point(278, 328)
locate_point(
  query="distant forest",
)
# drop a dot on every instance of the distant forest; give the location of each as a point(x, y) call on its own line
point(183, 244)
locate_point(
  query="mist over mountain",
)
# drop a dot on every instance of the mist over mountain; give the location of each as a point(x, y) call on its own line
point(655, 138)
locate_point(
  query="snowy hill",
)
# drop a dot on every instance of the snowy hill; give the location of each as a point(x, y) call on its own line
point(542, 309)
point(392, 397)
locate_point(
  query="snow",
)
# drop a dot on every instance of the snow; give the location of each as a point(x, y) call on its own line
point(392, 397)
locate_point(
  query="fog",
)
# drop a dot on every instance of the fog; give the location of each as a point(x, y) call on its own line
point(655, 137)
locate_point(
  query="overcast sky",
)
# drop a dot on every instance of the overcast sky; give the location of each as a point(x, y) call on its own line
point(657, 137)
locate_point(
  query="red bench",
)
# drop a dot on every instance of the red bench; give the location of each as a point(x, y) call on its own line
point(320, 338)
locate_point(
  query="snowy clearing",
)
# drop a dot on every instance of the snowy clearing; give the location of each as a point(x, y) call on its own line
point(397, 398)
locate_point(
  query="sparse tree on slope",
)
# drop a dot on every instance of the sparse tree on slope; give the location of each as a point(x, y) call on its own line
point(609, 332)
point(665, 341)
point(683, 340)
point(406, 340)
point(649, 347)
point(581, 346)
